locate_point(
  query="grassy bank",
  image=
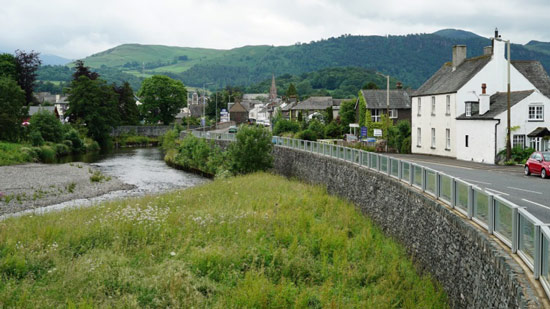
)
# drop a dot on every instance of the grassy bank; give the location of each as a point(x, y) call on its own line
point(251, 241)
point(135, 141)
point(17, 153)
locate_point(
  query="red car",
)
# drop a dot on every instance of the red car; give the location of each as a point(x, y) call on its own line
point(538, 163)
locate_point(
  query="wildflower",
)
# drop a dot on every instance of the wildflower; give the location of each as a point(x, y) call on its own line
point(173, 253)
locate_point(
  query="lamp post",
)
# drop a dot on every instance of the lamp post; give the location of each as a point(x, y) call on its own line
point(387, 104)
point(508, 116)
point(204, 106)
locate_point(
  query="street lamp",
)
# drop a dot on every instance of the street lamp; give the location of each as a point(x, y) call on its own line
point(387, 92)
point(204, 106)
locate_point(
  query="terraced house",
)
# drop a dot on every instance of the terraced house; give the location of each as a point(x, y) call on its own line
point(459, 111)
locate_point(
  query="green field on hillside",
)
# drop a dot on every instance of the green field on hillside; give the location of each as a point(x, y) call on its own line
point(257, 241)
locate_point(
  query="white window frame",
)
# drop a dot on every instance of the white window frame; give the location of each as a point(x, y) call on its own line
point(419, 112)
point(468, 109)
point(518, 140)
point(375, 115)
point(433, 106)
point(393, 113)
point(418, 137)
point(448, 139)
point(535, 143)
point(448, 105)
point(433, 137)
point(537, 112)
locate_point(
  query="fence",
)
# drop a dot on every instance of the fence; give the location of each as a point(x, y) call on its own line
point(524, 234)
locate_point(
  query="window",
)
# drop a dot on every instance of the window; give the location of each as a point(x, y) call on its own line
point(375, 115)
point(419, 112)
point(448, 106)
point(433, 106)
point(536, 112)
point(518, 140)
point(433, 137)
point(468, 110)
point(535, 143)
point(466, 140)
point(418, 137)
point(393, 113)
point(448, 139)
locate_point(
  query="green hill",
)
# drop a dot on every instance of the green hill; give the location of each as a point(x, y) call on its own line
point(542, 47)
point(409, 58)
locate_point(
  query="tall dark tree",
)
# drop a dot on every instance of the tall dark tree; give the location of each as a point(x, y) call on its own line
point(82, 70)
point(127, 108)
point(370, 85)
point(26, 66)
point(162, 98)
point(8, 66)
point(12, 100)
point(291, 91)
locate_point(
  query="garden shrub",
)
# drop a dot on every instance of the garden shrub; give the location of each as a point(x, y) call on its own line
point(36, 138)
point(48, 125)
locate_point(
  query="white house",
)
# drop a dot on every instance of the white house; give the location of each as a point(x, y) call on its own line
point(481, 130)
point(444, 97)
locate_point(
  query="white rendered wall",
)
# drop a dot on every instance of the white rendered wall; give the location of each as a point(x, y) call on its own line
point(440, 121)
point(481, 140)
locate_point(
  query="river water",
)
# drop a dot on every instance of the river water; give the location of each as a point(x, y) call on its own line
point(144, 168)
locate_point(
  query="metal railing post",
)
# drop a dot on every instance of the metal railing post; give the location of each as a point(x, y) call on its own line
point(423, 172)
point(453, 192)
point(515, 230)
point(538, 252)
point(491, 222)
point(470, 202)
point(437, 185)
point(399, 169)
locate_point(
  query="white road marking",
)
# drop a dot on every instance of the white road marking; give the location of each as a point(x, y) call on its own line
point(493, 190)
point(540, 205)
point(430, 162)
point(524, 190)
point(477, 181)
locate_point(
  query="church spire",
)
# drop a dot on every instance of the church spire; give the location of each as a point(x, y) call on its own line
point(273, 90)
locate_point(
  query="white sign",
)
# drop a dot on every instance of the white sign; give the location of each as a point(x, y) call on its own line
point(377, 132)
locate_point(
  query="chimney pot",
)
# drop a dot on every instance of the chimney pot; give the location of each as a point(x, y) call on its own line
point(487, 50)
point(459, 55)
point(399, 85)
point(483, 88)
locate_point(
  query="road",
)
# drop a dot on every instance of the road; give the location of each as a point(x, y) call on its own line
point(508, 182)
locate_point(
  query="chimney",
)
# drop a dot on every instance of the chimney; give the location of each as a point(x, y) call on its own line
point(484, 100)
point(459, 55)
point(399, 85)
point(487, 50)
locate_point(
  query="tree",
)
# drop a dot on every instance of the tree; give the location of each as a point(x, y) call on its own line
point(127, 108)
point(370, 85)
point(93, 104)
point(162, 98)
point(26, 66)
point(12, 100)
point(8, 66)
point(82, 70)
point(362, 110)
point(252, 150)
point(347, 113)
point(291, 91)
point(48, 125)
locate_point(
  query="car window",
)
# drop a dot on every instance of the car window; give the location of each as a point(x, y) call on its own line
point(534, 155)
point(546, 156)
point(538, 156)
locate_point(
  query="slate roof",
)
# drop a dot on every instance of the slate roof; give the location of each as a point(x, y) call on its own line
point(288, 107)
point(255, 96)
point(316, 103)
point(35, 109)
point(498, 104)
point(377, 98)
point(238, 108)
point(535, 73)
point(445, 80)
point(539, 132)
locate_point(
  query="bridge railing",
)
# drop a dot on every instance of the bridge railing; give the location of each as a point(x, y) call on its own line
point(518, 229)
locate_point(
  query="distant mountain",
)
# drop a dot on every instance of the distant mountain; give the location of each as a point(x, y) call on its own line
point(456, 34)
point(53, 60)
point(410, 58)
point(542, 47)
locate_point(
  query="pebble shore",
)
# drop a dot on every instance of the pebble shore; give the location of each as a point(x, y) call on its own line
point(31, 186)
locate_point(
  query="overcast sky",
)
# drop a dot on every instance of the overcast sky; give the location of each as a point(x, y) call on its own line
point(76, 28)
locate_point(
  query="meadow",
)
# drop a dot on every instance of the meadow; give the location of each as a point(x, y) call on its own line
point(250, 241)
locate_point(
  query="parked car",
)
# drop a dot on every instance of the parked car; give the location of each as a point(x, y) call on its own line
point(538, 163)
point(232, 129)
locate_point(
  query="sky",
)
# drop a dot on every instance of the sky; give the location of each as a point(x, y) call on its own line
point(75, 28)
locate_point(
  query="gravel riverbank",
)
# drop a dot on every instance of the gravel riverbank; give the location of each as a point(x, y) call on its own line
point(31, 186)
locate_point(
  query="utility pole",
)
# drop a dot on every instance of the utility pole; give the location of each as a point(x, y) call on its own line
point(216, 113)
point(509, 94)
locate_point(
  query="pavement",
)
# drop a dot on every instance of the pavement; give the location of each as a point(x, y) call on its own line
point(509, 182)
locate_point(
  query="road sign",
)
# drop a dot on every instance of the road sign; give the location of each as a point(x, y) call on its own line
point(377, 132)
point(364, 131)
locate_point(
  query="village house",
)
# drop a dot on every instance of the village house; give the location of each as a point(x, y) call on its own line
point(439, 107)
point(314, 105)
point(238, 113)
point(377, 103)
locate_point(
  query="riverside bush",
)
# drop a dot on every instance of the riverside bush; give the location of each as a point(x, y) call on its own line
point(61, 150)
point(231, 243)
point(251, 151)
point(36, 138)
point(47, 154)
point(48, 125)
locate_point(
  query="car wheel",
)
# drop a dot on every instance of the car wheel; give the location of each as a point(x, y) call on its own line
point(543, 173)
point(527, 172)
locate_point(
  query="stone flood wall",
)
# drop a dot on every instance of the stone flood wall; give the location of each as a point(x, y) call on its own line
point(151, 131)
point(473, 269)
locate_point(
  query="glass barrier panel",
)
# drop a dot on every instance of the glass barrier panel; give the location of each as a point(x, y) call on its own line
point(384, 164)
point(445, 187)
point(417, 176)
point(356, 156)
point(365, 158)
point(373, 161)
point(431, 178)
point(481, 206)
point(461, 196)
point(527, 238)
point(394, 167)
point(342, 152)
point(545, 258)
point(335, 152)
point(405, 171)
point(348, 154)
point(504, 219)
point(307, 146)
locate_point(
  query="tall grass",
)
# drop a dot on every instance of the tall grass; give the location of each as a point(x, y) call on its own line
point(251, 241)
point(12, 153)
